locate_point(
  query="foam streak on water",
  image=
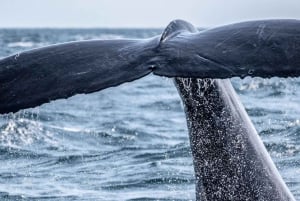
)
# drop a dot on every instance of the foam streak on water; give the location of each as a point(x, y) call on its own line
point(128, 142)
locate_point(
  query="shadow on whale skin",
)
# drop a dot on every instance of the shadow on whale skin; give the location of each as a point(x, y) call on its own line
point(230, 161)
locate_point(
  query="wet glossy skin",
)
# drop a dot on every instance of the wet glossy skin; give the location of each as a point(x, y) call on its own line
point(258, 48)
point(230, 160)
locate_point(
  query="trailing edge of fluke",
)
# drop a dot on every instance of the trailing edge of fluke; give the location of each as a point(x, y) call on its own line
point(263, 48)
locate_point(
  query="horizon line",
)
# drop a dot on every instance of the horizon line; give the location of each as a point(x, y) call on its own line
point(75, 27)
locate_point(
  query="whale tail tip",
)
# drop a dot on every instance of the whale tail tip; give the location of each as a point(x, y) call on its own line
point(176, 27)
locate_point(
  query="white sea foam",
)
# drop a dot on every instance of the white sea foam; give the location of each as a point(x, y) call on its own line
point(110, 36)
point(25, 44)
point(97, 37)
point(21, 44)
point(19, 132)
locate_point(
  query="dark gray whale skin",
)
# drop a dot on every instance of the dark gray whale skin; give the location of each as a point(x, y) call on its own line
point(262, 48)
point(230, 160)
point(38, 76)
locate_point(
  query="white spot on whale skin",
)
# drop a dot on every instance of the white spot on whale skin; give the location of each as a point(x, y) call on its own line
point(82, 73)
point(250, 71)
point(16, 56)
point(260, 31)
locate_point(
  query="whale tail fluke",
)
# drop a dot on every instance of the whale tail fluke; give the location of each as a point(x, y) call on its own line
point(258, 48)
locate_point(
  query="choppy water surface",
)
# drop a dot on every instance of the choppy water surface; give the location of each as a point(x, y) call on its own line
point(129, 142)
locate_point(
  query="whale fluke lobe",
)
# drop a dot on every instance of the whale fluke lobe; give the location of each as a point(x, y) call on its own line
point(38, 76)
point(258, 48)
point(264, 48)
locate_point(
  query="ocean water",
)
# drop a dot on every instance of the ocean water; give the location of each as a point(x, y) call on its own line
point(128, 142)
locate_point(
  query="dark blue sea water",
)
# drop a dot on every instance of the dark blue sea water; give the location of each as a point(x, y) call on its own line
point(128, 142)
